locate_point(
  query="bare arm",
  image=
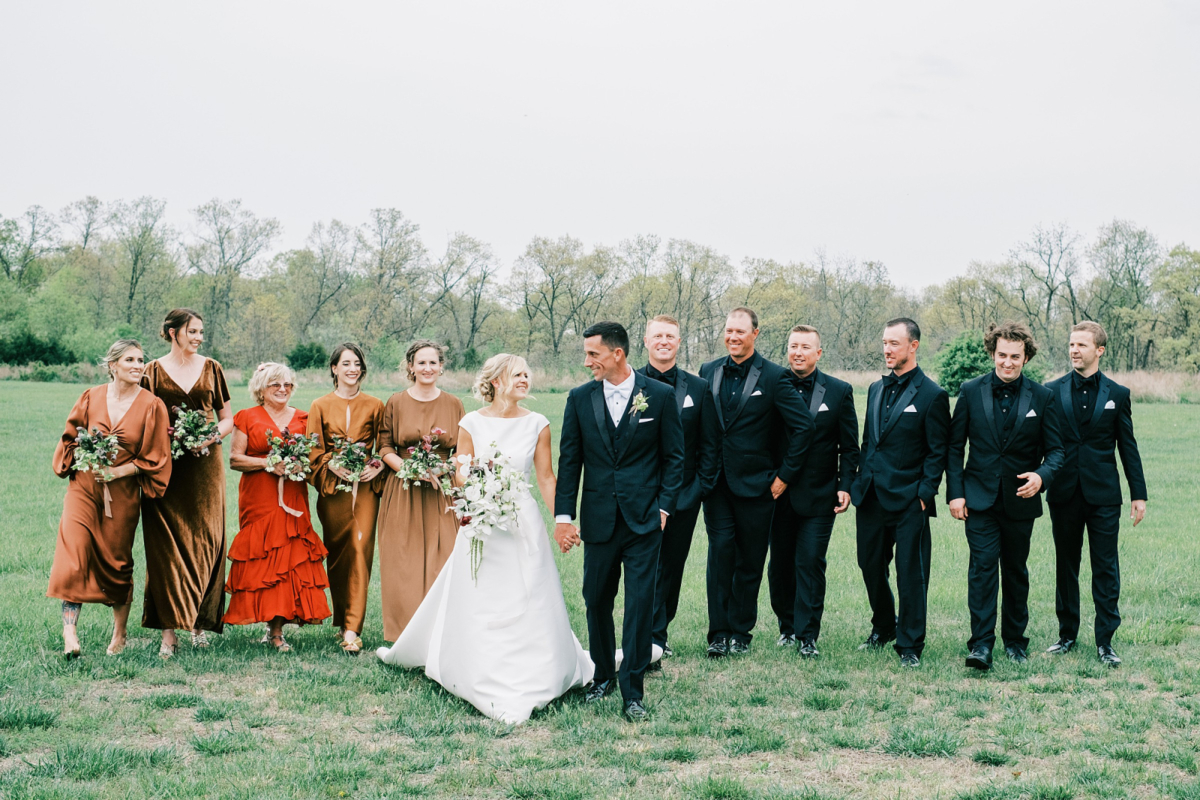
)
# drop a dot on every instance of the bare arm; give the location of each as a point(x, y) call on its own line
point(543, 462)
point(240, 462)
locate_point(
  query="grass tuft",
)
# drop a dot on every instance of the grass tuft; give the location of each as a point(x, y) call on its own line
point(923, 742)
point(16, 716)
point(992, 757)
point(86, 763)
point(222, 743)
point(165, 702)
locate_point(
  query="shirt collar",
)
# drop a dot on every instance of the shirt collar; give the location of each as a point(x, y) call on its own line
point(624, 386)
point(999, 383)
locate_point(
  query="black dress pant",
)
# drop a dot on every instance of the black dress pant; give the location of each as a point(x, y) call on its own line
point(676, 544)
point(796, 571)
point(907, 533)
point(1102, 522)
point(739, 533)
point(999, 552)
point(602, 563)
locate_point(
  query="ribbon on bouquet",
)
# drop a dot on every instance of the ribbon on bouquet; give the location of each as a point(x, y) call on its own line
point(282, 504)
point(107, 502)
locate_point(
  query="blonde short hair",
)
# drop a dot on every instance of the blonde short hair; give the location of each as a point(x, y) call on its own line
point(267, 373)
point(501, 368)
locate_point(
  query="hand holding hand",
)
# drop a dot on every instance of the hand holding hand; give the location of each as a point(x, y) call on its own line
point(567, 536)
point(1138, 512)
point(843, 502)
point(1032, 485)
point(958, 508)
point(778, 487)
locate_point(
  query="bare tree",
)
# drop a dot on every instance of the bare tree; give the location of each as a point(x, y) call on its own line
point(549, 270)
point(1124, 258)
point(87, 217)
point(24, 243)
point(143, 239)
point(321, 274)
point(393, 265)
point(1049, 261)
point(462, 277)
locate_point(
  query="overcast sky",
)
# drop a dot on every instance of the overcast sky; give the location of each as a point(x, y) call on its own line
point(923, 135)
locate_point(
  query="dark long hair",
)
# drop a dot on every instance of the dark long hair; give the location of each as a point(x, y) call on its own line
point(336, 356)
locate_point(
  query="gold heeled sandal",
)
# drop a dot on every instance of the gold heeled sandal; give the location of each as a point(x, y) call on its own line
point(352, 647)
point(282, 646)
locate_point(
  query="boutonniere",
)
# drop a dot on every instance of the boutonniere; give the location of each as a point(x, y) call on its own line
point(638, 405)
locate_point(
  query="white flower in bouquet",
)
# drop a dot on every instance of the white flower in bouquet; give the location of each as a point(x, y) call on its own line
point(488, 498)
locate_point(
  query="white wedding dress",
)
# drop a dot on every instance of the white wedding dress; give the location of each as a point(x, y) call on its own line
point(504, 644)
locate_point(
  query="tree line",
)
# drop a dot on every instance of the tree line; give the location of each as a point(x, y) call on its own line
point(74, 280)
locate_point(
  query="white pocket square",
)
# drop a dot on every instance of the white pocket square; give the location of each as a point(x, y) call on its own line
point(1031, 413)
point(822, 408)
point(910, 410)
point(1109, 404)
point(756, 393)
point(687, 401)
point(645, 419)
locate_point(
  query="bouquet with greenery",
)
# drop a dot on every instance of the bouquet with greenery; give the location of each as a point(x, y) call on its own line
point(191, 428)
point(96, 453)
point(489, 498)
point(423, 464)
point(354, 458)
point(291, 450)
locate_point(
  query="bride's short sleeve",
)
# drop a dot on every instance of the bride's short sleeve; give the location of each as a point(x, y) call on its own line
point(540, 422)
point(468, 423)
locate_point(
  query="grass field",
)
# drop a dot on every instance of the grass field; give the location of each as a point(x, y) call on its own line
point(238, 720)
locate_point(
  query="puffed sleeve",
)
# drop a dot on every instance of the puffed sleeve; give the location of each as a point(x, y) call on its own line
point(77, 420)
point(220, 397)
point(321, 477)
point(376, 442)
point(153, 459)
point(387, 431)
point(241, 421)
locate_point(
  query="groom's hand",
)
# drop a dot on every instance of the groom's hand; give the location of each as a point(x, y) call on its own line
point(778, 487)
point(567, 536)
point(662, 521)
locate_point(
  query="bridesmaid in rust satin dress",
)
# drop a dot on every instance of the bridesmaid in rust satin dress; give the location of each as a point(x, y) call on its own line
point(93, 557)
point(184, 529)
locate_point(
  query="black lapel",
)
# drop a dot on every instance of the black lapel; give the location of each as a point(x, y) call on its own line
point(601, 411)
point(1022, 409)
point(875, 408)
point(901, 403)
point(747, 389)
point(718, 373)
point(1101, 399)
point(681, 389)
point(1068, 404)
point(985, 394)
point(630, 417)
point(818, 394)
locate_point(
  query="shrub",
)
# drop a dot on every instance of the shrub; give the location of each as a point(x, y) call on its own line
point(963, 358)
point(308, 356)
point(25, 348)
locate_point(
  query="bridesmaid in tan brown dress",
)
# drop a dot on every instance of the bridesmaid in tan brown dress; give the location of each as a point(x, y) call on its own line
point(416, 532)
point(347, 518)
point(184, 530)
point(93, 558)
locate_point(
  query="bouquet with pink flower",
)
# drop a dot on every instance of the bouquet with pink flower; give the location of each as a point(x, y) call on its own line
point(422, 463)
point(191, 429)
point(96, 453)
point(291, 450)
point(354, 458)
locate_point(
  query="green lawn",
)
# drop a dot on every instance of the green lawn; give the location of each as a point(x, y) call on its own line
point(241, 721)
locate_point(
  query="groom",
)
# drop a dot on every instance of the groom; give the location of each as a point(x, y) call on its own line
point(624, 433)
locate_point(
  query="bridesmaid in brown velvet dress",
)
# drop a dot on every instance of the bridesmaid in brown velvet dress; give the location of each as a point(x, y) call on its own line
point(93, 558)
point(184, 530)
point(347, 518)
point(416, 532)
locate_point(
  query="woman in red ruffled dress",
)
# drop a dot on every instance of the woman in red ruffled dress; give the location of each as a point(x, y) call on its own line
point(277, 575)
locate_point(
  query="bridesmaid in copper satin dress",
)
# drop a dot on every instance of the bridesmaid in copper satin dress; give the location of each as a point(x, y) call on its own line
point(93, 557)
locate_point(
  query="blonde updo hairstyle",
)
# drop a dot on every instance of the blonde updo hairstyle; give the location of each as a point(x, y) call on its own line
point(116, 350)
point(501, 368)
point(411, 355)
point(267, 373)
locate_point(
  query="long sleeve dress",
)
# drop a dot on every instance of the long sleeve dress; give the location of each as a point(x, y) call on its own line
point(93, 557)
point(276, 555)
point(184, 528)
point(416, 532)
point(347, 519)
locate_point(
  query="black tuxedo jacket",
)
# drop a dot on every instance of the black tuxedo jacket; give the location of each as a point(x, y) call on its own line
point(905, 459)
point(637, 468)
point(701, 438)
point(832, 449)
point(1089, 462)
point(990, 475)
point(753, 453)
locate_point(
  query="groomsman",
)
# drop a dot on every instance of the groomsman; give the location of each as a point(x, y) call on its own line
point(1096, 417)
point(701, 444)
point(759, 411)
point(904, 445)
point(804, 514)
point(1015, 453)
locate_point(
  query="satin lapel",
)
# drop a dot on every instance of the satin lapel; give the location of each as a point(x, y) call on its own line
point(985, 395)
point(629, 420)
point(901, 403)
point(1022, 409)
point(598, 407)
point(681, 388)
point(718, 373)
point(747, 390)
point(1068, 406)
point(818, 394)
point(1101, 399)
point(876, 405)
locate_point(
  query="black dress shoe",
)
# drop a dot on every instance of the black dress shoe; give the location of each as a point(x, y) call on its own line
point(1061, 647)
point(910, 660)
point(635, 711)
point(980, 657)
point(667, 651)
point(785, 640)
point(875, 642)
point(654, 666)
point(1108, 656)
point(598, 691)
point(808, 648)
point(738, 648)
point(1016, 654)
point(718, 648)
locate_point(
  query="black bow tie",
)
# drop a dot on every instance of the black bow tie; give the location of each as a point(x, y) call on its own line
point(806, 384)
point(891, 379)
point(733, 370)
point(667, 377)
point(1004, 388)
point(1090, 382)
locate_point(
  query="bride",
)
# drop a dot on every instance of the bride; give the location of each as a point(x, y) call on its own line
point(503, 641)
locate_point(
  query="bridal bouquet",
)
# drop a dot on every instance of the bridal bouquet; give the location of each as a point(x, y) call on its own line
point(489, 498)
point(191, 428)
point(353, 457)
point(96, 453)
point(291, 449)
point(422, 463)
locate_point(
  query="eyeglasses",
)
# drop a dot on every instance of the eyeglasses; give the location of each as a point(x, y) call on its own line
point(275, 387)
